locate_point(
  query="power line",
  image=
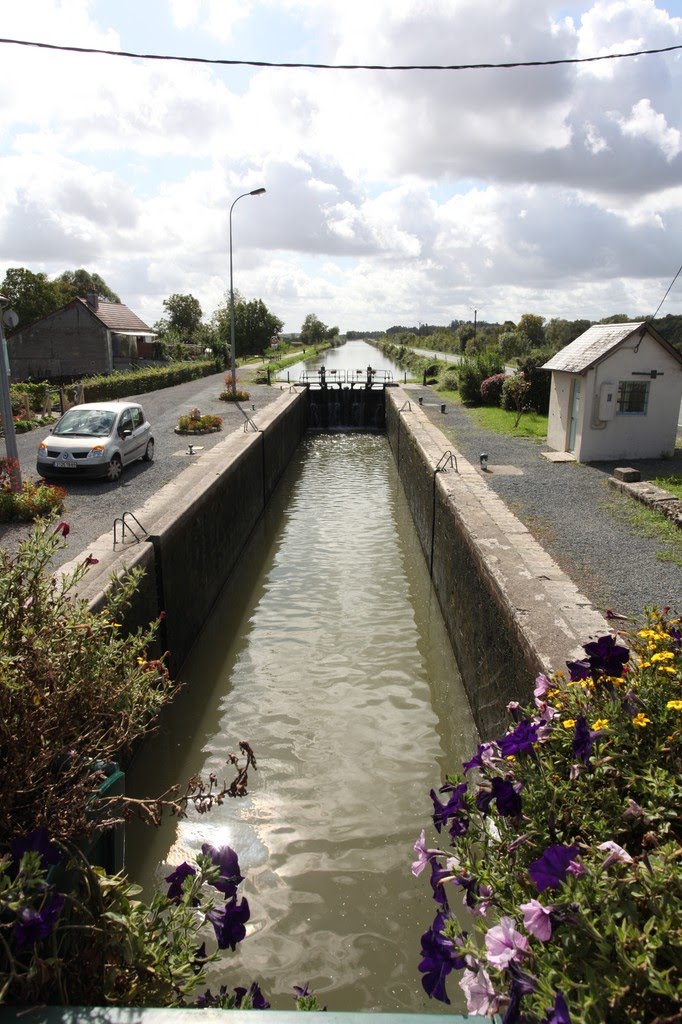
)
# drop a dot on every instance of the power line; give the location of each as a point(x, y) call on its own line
point(342, 67)
point(666, 294)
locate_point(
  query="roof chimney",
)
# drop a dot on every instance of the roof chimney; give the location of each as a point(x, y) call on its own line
point(92, 299)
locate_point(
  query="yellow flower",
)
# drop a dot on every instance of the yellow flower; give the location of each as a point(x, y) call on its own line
point(568, 723)
point(36, 699)
point(663, 656)
point(141, 661)
point(667, 668)
point(674, 705)
point(601, 723)
point(641, 720)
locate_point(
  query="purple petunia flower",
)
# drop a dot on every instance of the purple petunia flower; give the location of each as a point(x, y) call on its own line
point(504, 793)
point(521, 984)
point(175, 880)
point(485, 755)
point(549, 870)
point(439, 957)
point(505, 943)
point(542, 687)
point(616, 854)
point(584, 738)
point(228, 922)
point(480, 995)
point(32, 925)
point(519, 740)
point(226, 859)
point(443, 812)
point(606, 657)
point(536, 919)
point(579, 670)
point(559, 1013)
point(424, 855)
point(252, 995)
point(38, 842)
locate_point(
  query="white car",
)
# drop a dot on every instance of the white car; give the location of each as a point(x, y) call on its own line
point(96, 439)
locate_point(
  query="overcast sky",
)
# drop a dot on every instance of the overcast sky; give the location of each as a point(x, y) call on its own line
point(393, 197)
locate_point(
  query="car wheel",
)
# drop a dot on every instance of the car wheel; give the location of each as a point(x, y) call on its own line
point(114, 469)
point(149, 453)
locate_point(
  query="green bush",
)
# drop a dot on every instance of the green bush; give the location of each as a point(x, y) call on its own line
point(473, 370)
point(448, 379)
point(540, 381)
point(108, 387)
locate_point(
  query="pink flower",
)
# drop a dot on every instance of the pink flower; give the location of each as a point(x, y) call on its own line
point(480, 995)
point(505, 943)
point(542, 685)
point(536, 919)
point(616, 854)
point(91, 561)
point(63, 528)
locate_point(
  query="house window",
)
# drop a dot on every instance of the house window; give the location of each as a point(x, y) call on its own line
point(633, 396)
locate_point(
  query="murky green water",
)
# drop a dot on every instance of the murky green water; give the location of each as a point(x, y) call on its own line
point(328, 653)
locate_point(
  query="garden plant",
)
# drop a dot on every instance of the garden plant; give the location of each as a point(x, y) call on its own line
point(196, 422)
point(32, 501)
point(557, 871)
point(77, 690)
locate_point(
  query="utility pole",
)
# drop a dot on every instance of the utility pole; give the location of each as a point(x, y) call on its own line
point(5, 400)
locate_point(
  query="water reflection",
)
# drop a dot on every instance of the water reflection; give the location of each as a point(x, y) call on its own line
point(328, 653)
point(353, 355)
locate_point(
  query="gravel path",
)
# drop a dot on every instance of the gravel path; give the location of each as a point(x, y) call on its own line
point(571, 510)
point(93, 505)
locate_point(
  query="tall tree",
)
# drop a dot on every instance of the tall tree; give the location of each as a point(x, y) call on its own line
point(184, 315)
point(532, 326)
point(314, 332)
point(77, 284)
point(31, 296)
point(254, 325)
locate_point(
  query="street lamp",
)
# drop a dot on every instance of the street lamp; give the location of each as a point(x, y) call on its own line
point(233, 360)
point(8, 316)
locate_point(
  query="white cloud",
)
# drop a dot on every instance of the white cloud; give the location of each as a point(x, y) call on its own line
point(390, 195)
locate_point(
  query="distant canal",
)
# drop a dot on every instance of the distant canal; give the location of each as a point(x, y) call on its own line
point(329, 655)
point(353, 355)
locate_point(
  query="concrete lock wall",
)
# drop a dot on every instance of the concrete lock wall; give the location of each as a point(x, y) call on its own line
point(197, 527)
point(509, 610)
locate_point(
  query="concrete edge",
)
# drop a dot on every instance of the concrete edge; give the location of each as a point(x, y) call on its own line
point(653, 497)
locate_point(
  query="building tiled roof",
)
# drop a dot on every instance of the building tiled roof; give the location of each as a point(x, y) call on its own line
point(118, 317)
point(591, 347)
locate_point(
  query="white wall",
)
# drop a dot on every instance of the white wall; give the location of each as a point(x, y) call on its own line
point(626, 436)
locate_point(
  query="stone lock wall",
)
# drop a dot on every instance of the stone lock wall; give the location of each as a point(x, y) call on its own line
point(509, 610)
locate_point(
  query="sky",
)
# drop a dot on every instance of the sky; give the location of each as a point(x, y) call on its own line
point(392, 197)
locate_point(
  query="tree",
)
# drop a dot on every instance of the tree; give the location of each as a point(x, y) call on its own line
point(314, 332)
point(30, 295)
point(77, 283)
point(254, 326)
point(532, 326)
point(184, 316)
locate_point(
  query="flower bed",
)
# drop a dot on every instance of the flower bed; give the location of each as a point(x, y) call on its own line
point(33, 501)
point(563, 847)
point(197, 423)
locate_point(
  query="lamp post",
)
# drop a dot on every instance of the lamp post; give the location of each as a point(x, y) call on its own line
point(5, 400)
point(233, 359)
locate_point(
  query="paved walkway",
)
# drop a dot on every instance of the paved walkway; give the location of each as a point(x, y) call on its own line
point(571, 510)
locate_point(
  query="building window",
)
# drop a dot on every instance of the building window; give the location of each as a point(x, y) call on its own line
point(633, 396)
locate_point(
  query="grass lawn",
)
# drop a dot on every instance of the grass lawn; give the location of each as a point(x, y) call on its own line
point(670, 483)
point(501, 421)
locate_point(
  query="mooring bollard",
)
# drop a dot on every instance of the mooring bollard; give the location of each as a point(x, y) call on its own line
point(421, 399)
point(442, 408)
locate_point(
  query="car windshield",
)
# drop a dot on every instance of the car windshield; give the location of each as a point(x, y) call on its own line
point(85, 423)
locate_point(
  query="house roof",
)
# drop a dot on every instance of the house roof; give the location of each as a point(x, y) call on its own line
point(118, 317)
point(598, 342)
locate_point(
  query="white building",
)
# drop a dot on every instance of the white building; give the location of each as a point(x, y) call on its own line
point(616, 394)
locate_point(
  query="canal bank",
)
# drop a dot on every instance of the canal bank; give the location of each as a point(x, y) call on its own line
point(509, 609)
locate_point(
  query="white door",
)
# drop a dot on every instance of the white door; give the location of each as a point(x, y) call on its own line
point(575, 410)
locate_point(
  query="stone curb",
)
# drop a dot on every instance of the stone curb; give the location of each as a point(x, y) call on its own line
point(653, 497)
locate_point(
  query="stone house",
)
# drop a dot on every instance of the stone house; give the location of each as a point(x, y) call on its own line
point(86, 336)
point(615, 394)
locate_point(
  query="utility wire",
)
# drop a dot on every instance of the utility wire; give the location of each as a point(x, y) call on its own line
point(666, 294)
point(343, 67)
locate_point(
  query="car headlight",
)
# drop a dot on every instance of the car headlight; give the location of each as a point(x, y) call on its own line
point(97, 452)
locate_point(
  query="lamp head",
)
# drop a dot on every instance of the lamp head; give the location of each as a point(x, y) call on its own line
point(257, 192)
